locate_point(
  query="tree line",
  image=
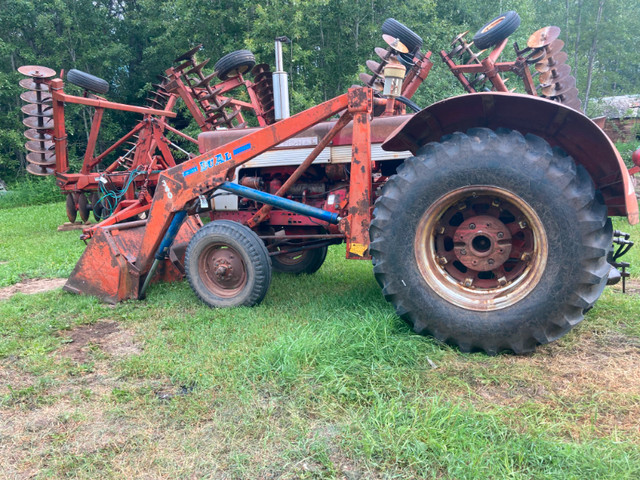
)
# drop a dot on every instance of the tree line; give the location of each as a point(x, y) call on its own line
point(129, 42)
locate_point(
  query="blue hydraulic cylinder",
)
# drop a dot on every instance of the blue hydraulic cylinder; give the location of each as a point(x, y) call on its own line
point(280, 202)
point(170, 236)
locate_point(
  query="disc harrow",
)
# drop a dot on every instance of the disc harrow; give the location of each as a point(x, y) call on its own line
point(479, 72)
point(41, 159)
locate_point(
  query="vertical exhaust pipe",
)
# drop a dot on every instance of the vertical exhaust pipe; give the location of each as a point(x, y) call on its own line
point(280, 83)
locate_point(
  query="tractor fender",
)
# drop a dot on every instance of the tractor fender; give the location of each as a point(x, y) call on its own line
point(559, 125)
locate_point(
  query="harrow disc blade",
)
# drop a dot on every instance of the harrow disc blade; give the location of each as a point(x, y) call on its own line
point(383, 53)
point(543, 37)
point(369, 80)
point(37, 110)
point(72, 210)
point(375, 67)
point(40, 171)
point(263, 76)
point(205, 81)
point(551, 61)
point(37, 135)
point(31, 96)
point(197, 68)
point(259, 68)
point(83, 207)
point(36, 71)
point(42, 159)
point(459, 37)
point(36, 146)
point(554, 47)
point(39, 123)
point(559, 88)
point(558, 71)
point(395, 43)
point(187, 55)
point(31, 85)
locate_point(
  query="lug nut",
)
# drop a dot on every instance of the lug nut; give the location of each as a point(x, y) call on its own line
point(463, 252)
point(522, 224)
point(500, 234)
point(491, 261)
point(472, 226)
point(442, 260)
point(468, 282)
point(502, 281)
point(525, 257)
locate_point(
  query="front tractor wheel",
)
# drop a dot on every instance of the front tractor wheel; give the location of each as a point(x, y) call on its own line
point(227, 265)
point(491, 241)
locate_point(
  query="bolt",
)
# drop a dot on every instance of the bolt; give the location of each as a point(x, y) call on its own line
point(525, 257)
point(496, 203)
point(440, 230)
point(462, 206)
point(500, 234)
point(463, 252)
point(472, 226)
point(468, 282)
point(522, 224)
point(502, 281)
point(491, 261)
point(442, 260)
point(221, 271)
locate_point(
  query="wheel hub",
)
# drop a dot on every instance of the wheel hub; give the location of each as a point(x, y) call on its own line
point(482, 243)
point(481, 247)
point(222, 270)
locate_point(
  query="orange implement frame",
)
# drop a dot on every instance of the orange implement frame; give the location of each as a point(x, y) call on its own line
point(113, 269)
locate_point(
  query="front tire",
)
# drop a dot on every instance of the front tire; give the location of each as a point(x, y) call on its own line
point(227, 265)
point(491, 241)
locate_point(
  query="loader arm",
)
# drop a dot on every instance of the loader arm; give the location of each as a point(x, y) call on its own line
point(181, 185)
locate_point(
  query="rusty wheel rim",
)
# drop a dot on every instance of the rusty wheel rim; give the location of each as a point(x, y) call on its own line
point(493, 24)
point(482, 248)
point(222, 270)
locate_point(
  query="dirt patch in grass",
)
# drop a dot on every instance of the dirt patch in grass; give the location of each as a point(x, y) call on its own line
point(31, 286)
point(107, 336)
point(632, 286)
point(596, 382)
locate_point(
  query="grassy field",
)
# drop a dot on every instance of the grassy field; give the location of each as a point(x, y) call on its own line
point(321, 380)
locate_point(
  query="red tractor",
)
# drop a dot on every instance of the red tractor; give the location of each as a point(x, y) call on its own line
point(486, 215)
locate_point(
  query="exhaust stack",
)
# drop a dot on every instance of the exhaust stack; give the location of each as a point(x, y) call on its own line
point(280, 83)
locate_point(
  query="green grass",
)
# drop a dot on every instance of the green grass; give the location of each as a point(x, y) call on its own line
point(321, 380)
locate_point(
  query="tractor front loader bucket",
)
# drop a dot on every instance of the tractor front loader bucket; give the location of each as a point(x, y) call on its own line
point(107, 267)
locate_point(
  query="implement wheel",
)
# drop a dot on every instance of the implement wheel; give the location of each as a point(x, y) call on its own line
point(491, 241)
point(227, 265)
point(234, 64)
point(496, 30)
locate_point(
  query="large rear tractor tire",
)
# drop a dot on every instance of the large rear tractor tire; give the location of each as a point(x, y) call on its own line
point(227, 265)
point(491, 241)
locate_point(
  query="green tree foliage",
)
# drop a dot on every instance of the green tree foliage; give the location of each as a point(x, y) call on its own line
point(129, 42)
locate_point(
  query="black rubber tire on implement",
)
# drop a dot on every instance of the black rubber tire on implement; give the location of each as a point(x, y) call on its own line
point(496, 30)
point(560, 205)
point(234, 64)
point(87, 81)
point(411, 40)
point(306, 262)
point(250, 270)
